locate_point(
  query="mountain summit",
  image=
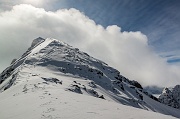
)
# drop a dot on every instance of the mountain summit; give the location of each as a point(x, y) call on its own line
point(53, 80)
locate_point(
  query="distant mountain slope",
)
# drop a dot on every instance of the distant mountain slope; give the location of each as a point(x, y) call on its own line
point(50, 70)
point(171, 97)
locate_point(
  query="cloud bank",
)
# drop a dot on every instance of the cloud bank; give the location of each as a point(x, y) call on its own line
point(127, 51)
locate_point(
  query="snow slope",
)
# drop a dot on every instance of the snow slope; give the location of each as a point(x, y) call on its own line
point(54, 80)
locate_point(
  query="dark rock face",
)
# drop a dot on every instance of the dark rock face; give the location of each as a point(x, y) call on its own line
point(136, 84)
point(14, 60)
point(37, 41)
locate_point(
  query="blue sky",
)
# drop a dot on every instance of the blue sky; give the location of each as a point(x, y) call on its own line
point(158, 19)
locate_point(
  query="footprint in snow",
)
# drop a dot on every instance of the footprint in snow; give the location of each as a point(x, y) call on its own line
point(49, 110)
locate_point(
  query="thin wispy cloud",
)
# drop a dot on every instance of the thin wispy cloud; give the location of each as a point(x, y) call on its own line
point(129, 52)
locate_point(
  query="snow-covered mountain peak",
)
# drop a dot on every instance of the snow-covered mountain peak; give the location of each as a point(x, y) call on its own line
point(51, 69)
point(166, 91)
point(171, 97)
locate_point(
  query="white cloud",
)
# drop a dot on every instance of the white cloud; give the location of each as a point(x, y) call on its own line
point(8, 4)
point(127, 51)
